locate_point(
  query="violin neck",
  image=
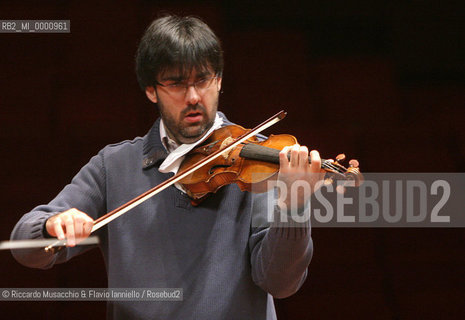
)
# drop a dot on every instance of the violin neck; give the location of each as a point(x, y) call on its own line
point(261, 153)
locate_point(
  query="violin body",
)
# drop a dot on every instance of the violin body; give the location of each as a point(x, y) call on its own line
point(250, 164)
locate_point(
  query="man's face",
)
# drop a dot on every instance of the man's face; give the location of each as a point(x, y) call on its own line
point(186, 113)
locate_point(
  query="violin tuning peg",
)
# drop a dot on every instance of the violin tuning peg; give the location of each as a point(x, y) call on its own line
point(340, 189)
point(340, 157)
point(328, 181)
point(353, 163)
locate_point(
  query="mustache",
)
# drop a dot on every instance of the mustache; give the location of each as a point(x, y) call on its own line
point(197, 107)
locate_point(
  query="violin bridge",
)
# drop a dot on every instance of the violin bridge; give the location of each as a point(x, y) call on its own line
point(226, 142)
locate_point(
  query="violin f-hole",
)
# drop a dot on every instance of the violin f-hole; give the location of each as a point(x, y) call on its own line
point(212, 169)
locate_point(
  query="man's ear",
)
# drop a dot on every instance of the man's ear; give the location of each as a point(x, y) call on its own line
point(218, 83)
point(151, 94)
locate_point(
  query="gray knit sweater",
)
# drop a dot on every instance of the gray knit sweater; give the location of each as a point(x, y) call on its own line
point(227, 267)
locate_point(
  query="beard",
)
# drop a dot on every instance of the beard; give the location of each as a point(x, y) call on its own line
point(182, 132)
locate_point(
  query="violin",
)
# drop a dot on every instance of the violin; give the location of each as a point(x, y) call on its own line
point(231, 154)
point(250, 165)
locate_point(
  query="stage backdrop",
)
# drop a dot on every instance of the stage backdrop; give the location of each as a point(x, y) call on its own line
point(382, 83)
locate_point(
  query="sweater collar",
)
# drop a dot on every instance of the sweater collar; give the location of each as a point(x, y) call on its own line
point(153, 150)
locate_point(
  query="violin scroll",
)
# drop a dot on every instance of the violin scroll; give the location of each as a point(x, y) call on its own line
point(336, 171)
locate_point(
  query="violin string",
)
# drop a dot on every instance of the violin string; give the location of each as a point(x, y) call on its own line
point(328, 164)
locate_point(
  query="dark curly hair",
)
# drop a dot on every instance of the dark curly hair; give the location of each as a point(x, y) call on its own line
point(177, 43)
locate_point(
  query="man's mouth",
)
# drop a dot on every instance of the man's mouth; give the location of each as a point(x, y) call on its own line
point(193, 116)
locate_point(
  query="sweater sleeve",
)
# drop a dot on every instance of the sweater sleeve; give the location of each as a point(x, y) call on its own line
point(86, 192)
point(281, 249)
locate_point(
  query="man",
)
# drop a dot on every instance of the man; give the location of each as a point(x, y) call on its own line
point(227, 267)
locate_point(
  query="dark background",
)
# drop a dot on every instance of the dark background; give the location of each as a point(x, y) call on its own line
point(381, 81)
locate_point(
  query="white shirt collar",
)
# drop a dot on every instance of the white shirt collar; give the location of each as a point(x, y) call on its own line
point(177, 152)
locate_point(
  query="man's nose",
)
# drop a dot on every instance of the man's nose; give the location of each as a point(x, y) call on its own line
point(192, 95)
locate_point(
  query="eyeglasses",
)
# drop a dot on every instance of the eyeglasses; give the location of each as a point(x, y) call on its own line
point(179, 89)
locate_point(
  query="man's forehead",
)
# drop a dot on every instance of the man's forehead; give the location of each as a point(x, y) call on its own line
point(180, 74)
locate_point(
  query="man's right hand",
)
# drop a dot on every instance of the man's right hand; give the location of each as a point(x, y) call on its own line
point(72, 225)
